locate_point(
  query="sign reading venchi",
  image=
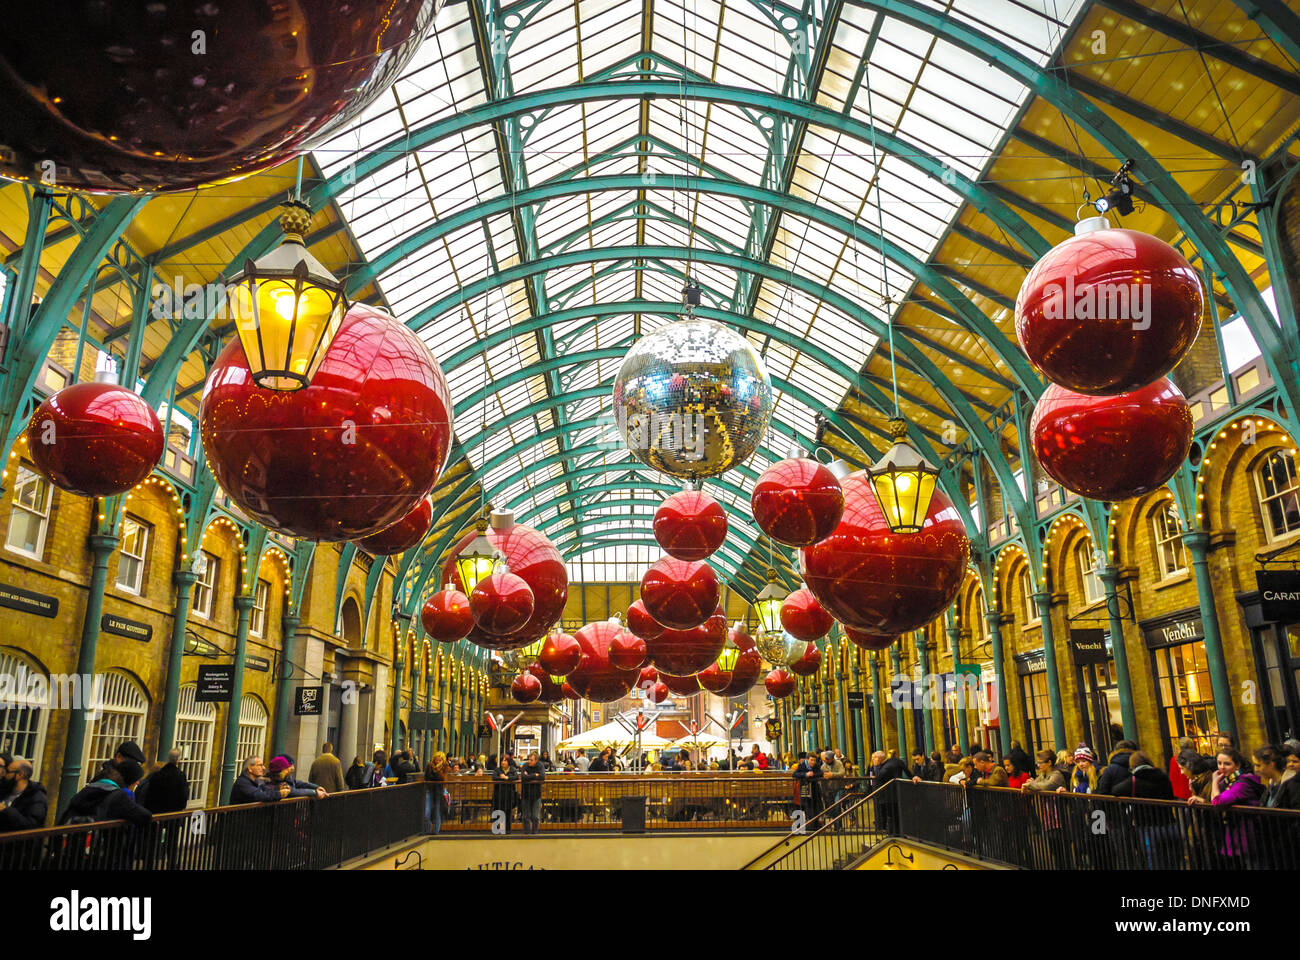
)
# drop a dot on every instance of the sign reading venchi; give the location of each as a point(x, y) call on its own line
point(1279, 595)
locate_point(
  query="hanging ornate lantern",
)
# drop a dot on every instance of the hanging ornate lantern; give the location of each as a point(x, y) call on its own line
point(903, 482)
point(767, 605)
point(478, 559)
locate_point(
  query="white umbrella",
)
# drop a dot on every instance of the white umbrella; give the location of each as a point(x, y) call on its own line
point(612, 734)
point(702, 741)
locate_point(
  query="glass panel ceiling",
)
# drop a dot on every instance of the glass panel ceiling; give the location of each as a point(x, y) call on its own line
point(918, 90)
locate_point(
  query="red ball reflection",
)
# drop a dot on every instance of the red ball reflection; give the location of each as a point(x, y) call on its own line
point(627, 651)
point(501, 603)
point(687, 686)
point(641, 623)
point(683, 652)
point(560, 654)
point(659, 692)
point(526, 688)
point(874, 580)
point(869, 641)
point(809, 663)
point(780, 683)
point(552, 692)
point(679, 594)
point(797, 502)
point(345, 457)
point(95, 439)
point(569, 692)
point(803, 617)
point(714, 679)
point(402, 535)
point(1109, 311)
point(1112, 448)
point(690, 525)
point(596, 678)
point(446, 616)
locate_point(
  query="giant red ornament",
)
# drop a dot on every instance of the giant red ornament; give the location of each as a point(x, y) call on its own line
point(647, 677)
point(803, 617)
point(780, 683)
point(659, 692)
point(345, 457)
point(402, 535)
point(120, 96)
point(530, 555)
point(713, 678)
point(569, 692)
point(446, 616)
point(596, 678)
point(868, 640)
point(526, 688)
point(871, 579)
point(745, 673)
point(687, 686)
point(641, 623)
point(95, 439)
point(559, 654)
point(1108, 310)
point(501, 603)
point(1112, 448)
point(797, 502)
point(679, 594)
point(627, 651)
point(809, 663)
point(690, 525)
point(552, 692)
point(683, 652)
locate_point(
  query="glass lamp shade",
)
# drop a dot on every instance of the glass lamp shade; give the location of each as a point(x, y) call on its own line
point(779, 648)
point(903, 482)
point(767, 605)
point(287, 309)
point(727, 658)
point(477, 560)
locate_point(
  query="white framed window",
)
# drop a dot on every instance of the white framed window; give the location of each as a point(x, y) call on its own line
point(1026, 578)
point(195, 723)
point(205, 588)
point(257, 620)
point(251, 741)
point(1087, 564)
point(133, 553)
point(30, 517)
point(24, 710)
point(120, 710)
point(1168, 530)
point(1279, 495)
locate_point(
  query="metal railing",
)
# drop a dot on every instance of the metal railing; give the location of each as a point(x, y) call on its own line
point(843, 833)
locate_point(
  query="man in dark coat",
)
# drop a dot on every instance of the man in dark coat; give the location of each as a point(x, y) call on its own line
point(25, 802)
point(166, 790)
point(1145, 781)
point(126, 750)
point(1116, 767)
point(251, 786)
point(110, 798)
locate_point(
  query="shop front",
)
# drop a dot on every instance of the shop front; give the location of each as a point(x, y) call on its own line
point(1273, 618)
point(1095, 680)
point(1031, 668)
point(1184, 698)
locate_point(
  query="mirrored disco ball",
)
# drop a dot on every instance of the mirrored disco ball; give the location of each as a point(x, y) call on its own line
point(692, 399)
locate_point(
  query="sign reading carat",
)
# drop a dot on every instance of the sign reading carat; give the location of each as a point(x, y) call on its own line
point(1279, 595)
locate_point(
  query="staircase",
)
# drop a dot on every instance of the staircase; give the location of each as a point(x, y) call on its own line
point(841, 836)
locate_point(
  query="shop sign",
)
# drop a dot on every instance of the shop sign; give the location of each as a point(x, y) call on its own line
point(260, 664)
point(1279, 595)
point(16, 598)
point(126, 628)
point(306, 701)
point(1170, 633)
point(1088, 645)
point(812, 711)
point(857, 700)
point(1035, 661)
point(216, 683)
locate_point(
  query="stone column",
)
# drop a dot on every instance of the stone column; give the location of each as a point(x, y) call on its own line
point(184, 581)
point(1198, 545)
point(229, 762)
point(1110, 578)
point(993, 619)
point(1043, 603)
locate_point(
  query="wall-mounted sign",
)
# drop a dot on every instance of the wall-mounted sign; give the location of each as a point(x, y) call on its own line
point(260, 664)
point(857, 700)
point(970, 669)
point(307, 701)
point(1035, 661)
point(216, 683)
point(812, 711)
point(16, 598)
point(109, 623)
point(1088, 645)
point(1279, 595)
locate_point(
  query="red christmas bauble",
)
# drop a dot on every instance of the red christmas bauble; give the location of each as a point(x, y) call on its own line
point(627, 651)
point(1112, 448)
point(641, 623)
point(870, 579)
point(530, 555)
point(122, 97)
point(690, 525)
point(687, 686)
point(809, 663)
point(345, 457)
point(95, 439)
point(596, 678)
point(501, 603)
point(446, 616)
point(526, 688)
point(647, 677)
point(803, 617)
point(797, 502)
point(402, 535)
point(679, 594)
point(659, 692)
point(683, 652)
point(745, 673)
point(552, 692)
point(569, 692)
point(1108, 310)
point(780, 683)
point(560, 654)
point(868, 640)
point(713, 678)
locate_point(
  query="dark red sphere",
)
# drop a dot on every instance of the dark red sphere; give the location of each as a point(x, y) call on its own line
point(1112, 448)
point(780, 683)
point(560, 654)
point(690, 525)
point(627, 651)
point(687, 686)
point(402, 535)
point(680, 594)
point(871, 579)
point(641, 623)
point(446, 616)
point(596, 678)
point(501, 604)
point(345, 457)
point(569, 692)
point(95, 439)
point(869, 641)
point(167, 96)
point(526, 688)
point(659, 692)
point(809, 663)
point(683, 652)
point(745, 673)
point(797, 502)
point(803, 617)
point(530, 555)
point(714, 679)
point(552, 692)
point(1109, 311)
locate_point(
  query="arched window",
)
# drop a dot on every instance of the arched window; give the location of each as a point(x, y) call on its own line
point(351, 624)
point(24, 707)
point(195, 723)
point(1028, 607)
point(252, 730)
point(1279, 494)
point(1171, 560)
point(1087, 566)
point(119, 709)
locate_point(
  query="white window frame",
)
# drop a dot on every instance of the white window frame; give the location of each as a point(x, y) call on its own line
point(121, 712)
point(1264, 499)
point(205, 588)
point(26, 476)
point(1086, 561)
point(24, 718)
point(146, 534)
point(1167, 533)
point(196, 724)
point(1027, 589)
point(261, 598)
point(251, 739)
